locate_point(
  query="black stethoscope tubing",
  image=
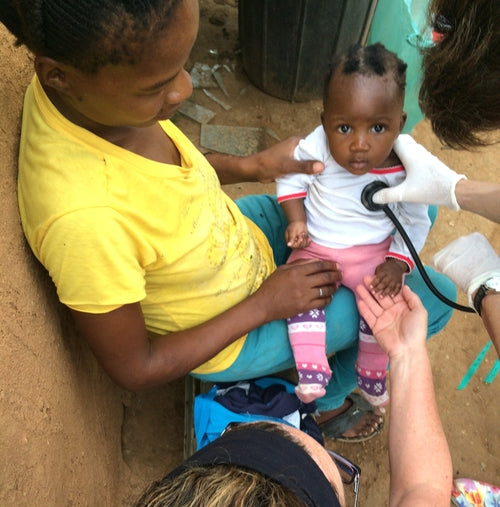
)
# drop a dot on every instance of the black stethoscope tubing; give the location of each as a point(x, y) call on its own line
point(367, 200)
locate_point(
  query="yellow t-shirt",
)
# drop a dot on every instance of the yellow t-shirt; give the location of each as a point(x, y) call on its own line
point(112, 227)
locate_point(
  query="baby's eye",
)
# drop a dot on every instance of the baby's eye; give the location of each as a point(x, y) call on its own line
point(344, 129)
point(378, 128)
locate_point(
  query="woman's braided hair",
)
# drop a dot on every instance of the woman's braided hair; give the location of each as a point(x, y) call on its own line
point(87, 34)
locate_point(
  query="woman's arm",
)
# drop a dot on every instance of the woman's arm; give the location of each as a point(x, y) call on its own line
point(490, 310)
point(120, 342)
point(420, 462)
point(429, 181)
point(264, 166)
point(479, 197)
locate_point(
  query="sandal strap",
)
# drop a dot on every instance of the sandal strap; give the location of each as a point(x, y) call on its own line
point(334, 428)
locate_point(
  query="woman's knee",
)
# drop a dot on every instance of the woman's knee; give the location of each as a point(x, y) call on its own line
point(439, 313)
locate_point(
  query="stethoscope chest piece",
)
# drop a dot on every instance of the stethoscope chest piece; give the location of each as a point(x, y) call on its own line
point(368, 193)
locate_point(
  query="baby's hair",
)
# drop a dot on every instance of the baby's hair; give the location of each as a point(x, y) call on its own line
point(460, 91)
point(374, 60)
point(87, 34)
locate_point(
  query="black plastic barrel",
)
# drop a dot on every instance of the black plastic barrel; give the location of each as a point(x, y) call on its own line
point(287, 45)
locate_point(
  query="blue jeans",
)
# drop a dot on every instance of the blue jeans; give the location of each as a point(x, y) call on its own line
point(267, 349)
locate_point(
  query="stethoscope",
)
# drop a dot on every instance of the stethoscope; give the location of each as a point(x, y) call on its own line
point(367, 200)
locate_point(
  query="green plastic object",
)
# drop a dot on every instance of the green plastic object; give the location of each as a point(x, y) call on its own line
point(401, 26)
point(287, 45)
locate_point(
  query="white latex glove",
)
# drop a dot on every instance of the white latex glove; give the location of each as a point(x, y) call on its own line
point(428, 180)
point(468, 262)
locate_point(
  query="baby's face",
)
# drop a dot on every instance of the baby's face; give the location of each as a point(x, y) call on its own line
point(362, 118)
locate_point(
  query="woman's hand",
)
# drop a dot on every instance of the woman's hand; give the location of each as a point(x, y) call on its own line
point(278, 161)
point(398, 323)
point(420, 462)
point(468, 261)
point(297, 287)
point(265, 166)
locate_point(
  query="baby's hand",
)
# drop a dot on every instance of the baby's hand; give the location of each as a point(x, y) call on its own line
point(296, 235)
point(388, 278)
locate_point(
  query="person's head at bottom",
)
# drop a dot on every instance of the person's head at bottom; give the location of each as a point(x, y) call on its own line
point(262, 464)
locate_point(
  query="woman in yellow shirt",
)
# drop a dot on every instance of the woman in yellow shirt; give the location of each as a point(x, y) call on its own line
point(133, 226)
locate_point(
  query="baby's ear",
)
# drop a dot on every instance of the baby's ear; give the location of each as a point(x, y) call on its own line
point(51, 73)
point(403, 121)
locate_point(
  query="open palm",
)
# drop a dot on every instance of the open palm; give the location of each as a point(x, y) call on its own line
point(397, 322)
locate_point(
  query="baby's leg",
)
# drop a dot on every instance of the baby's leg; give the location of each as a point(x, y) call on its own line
point(371, 368)
point(307, 334)
point(371, 364)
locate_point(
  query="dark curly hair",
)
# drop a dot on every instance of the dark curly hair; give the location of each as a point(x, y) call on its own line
point(87, 34)
point(375, 59)
point(460, 91)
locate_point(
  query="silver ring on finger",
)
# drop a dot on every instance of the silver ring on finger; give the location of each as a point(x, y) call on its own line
point(320, 292)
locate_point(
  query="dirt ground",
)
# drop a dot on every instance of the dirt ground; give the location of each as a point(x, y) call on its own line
point(69, 436)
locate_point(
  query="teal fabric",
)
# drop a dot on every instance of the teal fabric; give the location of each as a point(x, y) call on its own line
point(267, 349)
point(401, 26)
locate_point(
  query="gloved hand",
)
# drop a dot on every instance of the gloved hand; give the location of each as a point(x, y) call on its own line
point(428, 180)
point(468, 262)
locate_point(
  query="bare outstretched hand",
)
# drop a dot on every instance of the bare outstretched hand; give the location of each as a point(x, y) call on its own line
point(398, 322)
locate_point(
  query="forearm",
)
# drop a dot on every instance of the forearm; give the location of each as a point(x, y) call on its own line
point(176, 354)
point(421, 470)
point(119, 339)
point(470, 261)
point(479, 197)
point(120, 342)
point(231, 169)
point(264, 166)
point(290, 290)
point(490, 310)
point(294, 210)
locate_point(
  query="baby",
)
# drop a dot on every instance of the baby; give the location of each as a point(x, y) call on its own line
point(363, 115)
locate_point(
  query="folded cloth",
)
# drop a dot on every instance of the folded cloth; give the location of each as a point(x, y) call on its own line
point(267, 398)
